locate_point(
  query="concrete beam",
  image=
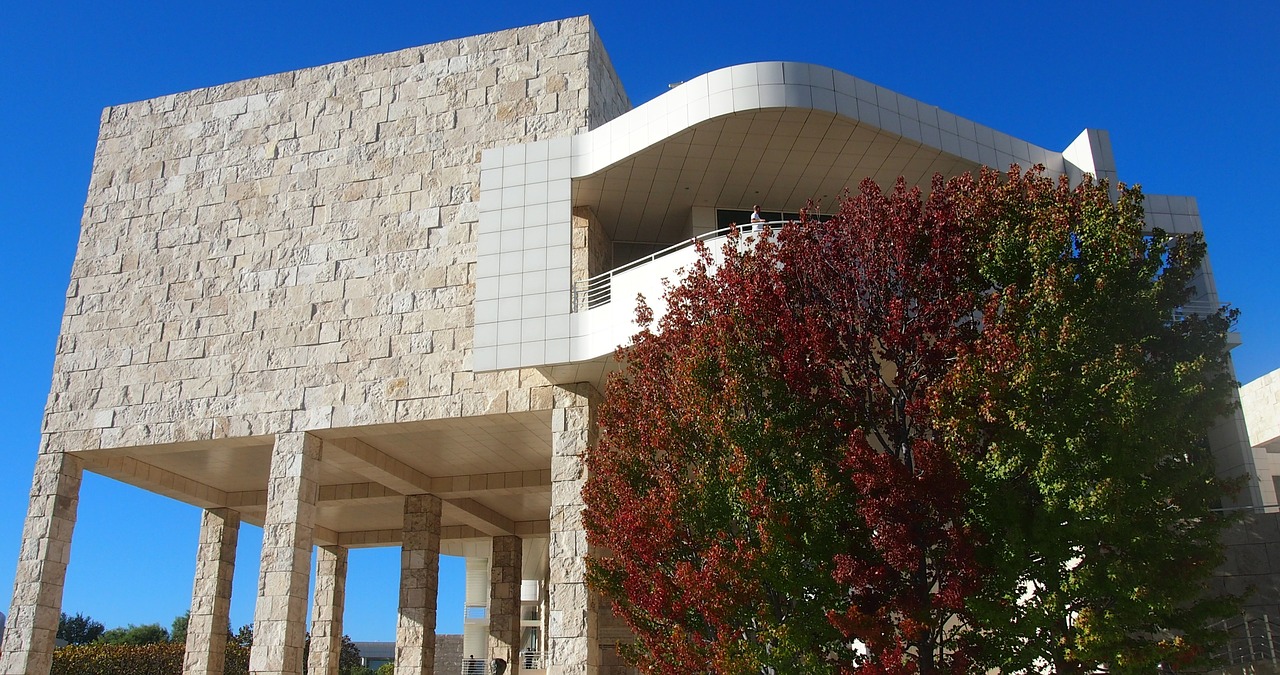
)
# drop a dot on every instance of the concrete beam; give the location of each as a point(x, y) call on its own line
point(479, 516)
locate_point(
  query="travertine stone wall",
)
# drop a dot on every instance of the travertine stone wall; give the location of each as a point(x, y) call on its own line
point(504, 599)
point(1260, 402)
point(572, 628)
point(296, 252)
point(1260, 406)
point(592, 248)
point(280, 615)
point(209, 622)
point(32, 625)
point(419, 582)
point(604, 90)
point(327, 609)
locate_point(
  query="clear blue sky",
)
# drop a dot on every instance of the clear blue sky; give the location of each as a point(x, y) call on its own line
point(1189, 91)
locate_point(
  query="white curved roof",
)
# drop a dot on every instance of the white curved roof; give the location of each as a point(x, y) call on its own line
point(776, 134)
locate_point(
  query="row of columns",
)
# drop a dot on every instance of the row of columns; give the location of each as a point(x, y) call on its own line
point(280, 611)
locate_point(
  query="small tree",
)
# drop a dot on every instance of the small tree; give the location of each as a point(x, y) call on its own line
point(78, 629)
point(349, 657)
point(243, 637)
point(178, 631)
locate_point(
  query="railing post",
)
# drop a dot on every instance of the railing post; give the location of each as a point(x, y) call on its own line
point(1271, 644)
point(1231, 652)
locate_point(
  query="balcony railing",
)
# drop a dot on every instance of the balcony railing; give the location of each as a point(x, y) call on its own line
point(532, 661)
point(1251, 640)
point(594, 292)
point(1196, 308)
point(597, 291)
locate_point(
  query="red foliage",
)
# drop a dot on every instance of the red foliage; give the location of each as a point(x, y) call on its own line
point(768, 483)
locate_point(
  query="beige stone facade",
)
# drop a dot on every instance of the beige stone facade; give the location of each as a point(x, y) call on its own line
point(270, 317)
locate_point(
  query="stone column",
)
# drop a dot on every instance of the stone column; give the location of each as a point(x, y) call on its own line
point(572, 627)
point(42, 566)
point(279, 619)
point(210, 617)
point(504, 600)
point(326, 612)
point(419, 580)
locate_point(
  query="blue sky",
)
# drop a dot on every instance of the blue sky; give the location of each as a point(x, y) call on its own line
point(1188, 90)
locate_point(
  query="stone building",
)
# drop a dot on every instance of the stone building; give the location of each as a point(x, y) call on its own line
point(373, 304)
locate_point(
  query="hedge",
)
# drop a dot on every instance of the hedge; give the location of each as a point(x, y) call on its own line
point(164, 658)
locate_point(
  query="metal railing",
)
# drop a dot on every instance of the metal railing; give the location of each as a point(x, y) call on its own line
point(596, 291)
point(1197, 308)
point(475, 667)
point(533, 660)
point(1252, 639)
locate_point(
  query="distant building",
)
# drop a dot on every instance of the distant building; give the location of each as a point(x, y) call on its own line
point(375, 654)
point(373, 303)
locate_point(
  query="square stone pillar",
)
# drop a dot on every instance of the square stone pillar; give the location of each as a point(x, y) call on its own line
point(419, 580)
point(326, 611)
point(572, 628)
point(504, 600)
point(42, 566)
point(280, 616)
point(210, 619)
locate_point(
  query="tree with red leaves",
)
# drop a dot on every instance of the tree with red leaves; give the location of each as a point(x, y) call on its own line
point(771, 483)
point(932, 435)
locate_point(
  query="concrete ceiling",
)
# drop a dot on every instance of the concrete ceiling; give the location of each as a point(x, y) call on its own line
point(778, 158)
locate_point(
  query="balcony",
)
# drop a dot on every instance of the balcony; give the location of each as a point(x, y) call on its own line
point(640, 275)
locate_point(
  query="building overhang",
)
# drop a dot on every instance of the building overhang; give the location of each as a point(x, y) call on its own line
point(778, 134)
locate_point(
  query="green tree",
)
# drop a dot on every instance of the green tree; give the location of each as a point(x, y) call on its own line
point(243, 637)
point(1093, 395)
point(178, 630)
point(78, 629)
point(146, 634)
point(386, 669)
point(349, 657)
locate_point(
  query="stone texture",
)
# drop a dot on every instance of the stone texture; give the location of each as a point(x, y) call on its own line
point(1260, 406)
point(279, 619)
point(297, 251)
point(419, 581)
point(505, 564)
point(209, 622)
point(286, 254)
point(327, 609)
point(572, 630)
point(32, 623)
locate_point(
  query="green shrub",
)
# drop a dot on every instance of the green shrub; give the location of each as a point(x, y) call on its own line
point(108, 659)
point(154, 659)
